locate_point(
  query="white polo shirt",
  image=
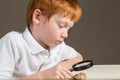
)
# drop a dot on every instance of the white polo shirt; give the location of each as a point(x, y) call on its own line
point(21, 55)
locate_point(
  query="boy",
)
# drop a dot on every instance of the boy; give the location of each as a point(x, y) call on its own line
point(40, 52)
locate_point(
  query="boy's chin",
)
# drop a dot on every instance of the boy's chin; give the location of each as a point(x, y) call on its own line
point(54, 45)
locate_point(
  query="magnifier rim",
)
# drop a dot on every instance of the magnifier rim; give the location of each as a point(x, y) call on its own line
point(83, 67)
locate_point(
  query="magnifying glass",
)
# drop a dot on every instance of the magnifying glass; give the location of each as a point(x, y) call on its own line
point(82, 65)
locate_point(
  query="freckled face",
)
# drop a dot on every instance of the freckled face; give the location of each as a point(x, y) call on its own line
point(54, 30)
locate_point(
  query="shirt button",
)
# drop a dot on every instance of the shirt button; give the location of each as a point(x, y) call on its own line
point(44, 52)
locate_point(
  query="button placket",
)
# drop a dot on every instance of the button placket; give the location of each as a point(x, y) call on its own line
point(44, 55)
point(36, 64)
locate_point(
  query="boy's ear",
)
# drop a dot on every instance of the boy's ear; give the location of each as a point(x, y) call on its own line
point(36, 16)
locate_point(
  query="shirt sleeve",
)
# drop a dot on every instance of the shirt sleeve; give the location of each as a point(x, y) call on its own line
point(6, 58)
point(68, 52)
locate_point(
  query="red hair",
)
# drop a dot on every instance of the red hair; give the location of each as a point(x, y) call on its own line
point(70, 8)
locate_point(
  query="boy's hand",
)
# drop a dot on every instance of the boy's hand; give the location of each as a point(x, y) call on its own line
point(58, 72)
point(61, 70)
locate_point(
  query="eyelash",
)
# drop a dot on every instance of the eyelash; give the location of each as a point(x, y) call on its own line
point(61, 26)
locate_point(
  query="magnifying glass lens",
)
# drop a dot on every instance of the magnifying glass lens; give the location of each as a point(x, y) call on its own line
point(82, 65)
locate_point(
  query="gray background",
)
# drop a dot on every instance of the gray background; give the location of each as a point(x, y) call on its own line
point(96, 36)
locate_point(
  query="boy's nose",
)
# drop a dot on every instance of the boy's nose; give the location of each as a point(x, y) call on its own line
point(64, 34)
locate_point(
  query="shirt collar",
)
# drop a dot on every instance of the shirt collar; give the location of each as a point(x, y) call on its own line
point(32, 43)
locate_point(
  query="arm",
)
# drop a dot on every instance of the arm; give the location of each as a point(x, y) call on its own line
point(58, 72)
point(6, 58)
point(69, 62)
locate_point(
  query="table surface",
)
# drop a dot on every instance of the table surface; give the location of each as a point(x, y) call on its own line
point(102, 72)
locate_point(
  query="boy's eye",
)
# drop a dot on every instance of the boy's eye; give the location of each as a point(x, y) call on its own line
point(66, 27)
point(61, 26)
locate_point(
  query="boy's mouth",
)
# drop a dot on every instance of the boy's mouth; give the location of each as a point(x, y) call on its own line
point(59, 42)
